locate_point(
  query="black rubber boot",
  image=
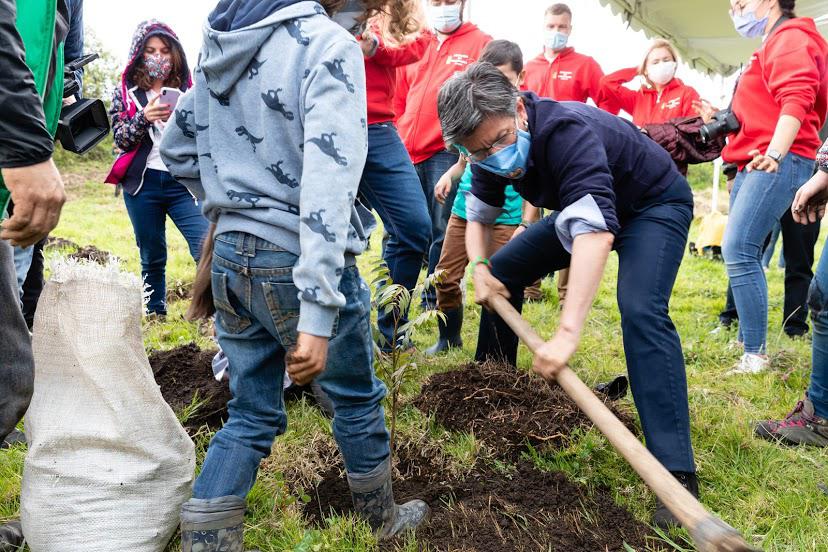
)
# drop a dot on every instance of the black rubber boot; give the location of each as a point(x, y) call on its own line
point(213, 525)
point(449, 332)
point(374, 500)
point(663, 518)
point(11, 537)
point(16, 437)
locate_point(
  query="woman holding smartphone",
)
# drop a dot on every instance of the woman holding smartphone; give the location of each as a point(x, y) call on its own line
point(156, 74)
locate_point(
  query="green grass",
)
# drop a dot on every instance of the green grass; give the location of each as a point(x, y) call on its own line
point(770, 493)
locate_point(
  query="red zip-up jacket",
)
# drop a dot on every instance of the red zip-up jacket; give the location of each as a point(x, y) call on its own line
point(419, 83)
point(569, 77)
point(381, 74)
point(786, 76)
point(646, 105)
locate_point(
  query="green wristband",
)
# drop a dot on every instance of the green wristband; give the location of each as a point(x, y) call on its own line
point(479, 260)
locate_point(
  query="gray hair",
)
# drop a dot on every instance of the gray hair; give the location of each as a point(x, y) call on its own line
point(470, 97)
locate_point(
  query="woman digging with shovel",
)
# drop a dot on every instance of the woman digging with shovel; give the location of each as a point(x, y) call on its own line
point(612, 188)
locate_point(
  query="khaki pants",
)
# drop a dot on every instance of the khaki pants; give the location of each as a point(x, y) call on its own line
point(563, 284)
point(453, 260)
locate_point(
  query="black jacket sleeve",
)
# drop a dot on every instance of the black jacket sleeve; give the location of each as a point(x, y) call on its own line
point(24, 139)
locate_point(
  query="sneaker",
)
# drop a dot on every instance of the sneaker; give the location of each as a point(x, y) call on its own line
point(750, 364)
point(664, 518)
point(801, 427)
point(11, 536)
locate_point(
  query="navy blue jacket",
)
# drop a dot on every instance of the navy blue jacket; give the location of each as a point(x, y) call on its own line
point(579, 150)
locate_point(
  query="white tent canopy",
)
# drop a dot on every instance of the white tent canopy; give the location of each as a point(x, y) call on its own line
point(702, 29)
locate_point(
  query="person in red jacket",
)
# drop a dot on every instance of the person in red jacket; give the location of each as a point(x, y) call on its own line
point(662, 97)
point(561, 73)
point(389, 182)
point(781, 103)
point(457, 45)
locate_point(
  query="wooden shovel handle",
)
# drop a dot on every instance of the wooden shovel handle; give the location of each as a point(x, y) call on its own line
point(678, 500)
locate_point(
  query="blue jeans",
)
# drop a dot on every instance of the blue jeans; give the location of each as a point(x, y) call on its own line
point(430, 172)
point(818, 302)
point(162, 195)
point(257, 308)
point(392, 188)
point(650, 248)
point(757, 202)
point(22, 263)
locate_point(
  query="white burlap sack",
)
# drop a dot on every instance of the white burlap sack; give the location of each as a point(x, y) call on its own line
point(109, 466)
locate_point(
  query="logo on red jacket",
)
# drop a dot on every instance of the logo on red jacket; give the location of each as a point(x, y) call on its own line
point(563, 75)
point(458, 59)
point(672, 104)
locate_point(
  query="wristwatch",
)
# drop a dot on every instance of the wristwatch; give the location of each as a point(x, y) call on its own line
point(775, 155)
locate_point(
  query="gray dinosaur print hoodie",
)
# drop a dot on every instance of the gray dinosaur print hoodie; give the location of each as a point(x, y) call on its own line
point(273, 139)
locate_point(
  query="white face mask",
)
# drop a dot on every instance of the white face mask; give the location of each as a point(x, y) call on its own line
point(662, 73)
point(446, 19)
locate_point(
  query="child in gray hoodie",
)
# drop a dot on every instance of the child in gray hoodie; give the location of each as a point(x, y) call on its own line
point(272, 139)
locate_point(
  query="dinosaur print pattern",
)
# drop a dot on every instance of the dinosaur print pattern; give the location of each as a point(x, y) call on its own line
point(182, 121)
point(214, 39)
point(317, 225)
point(223, 100)
point(337, 72)
point(326, 145)
point(252, 199)
point(242, 131)
point(271, 100)
point(310, 295)
point(281, 176)
point(210, 157)
point(253, 68)
point(294, 29)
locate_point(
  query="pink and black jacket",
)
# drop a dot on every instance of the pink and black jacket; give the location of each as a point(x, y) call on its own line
point(129, 126)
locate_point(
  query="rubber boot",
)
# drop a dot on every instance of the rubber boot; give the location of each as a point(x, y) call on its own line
point(213, 525)
point(664, 518)
point(449, 332)
point(374, 500)
point(11, 536)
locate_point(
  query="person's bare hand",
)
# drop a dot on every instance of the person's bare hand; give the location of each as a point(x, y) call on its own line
point(704, 109)
point(809, 203)
point(487, 286)
point(762, 162)
point(554, 355)
point(368, 44)
point(156, 111)
point(443, 188)
point(307, 360)
point(38, 196)
point(518, 231)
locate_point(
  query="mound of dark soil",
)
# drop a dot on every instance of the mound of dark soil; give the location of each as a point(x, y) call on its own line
point(504, 408)
point(184, 372)
point(490, 511)
point(92, 253)
point(81, 253)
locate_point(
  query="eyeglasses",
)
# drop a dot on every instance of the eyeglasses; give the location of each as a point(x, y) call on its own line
point(739, 9)
point(480, 155)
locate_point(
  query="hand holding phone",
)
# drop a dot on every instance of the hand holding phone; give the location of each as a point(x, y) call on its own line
point(169, 96)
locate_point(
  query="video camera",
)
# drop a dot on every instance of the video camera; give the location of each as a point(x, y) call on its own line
point(84, 123)
point(724, 122)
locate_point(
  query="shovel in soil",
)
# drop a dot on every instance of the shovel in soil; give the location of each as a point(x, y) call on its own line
point(709, 532)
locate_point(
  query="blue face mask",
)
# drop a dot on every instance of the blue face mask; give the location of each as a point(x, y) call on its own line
point(512, 161)
point(555, 40)
point(748, 25)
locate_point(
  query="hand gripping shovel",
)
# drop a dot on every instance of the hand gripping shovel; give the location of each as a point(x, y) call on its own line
point(709, 532)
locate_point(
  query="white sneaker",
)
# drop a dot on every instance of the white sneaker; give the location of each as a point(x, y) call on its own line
point(750, 364)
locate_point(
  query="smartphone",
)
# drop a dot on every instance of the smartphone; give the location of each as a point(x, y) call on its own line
point(169, 96)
